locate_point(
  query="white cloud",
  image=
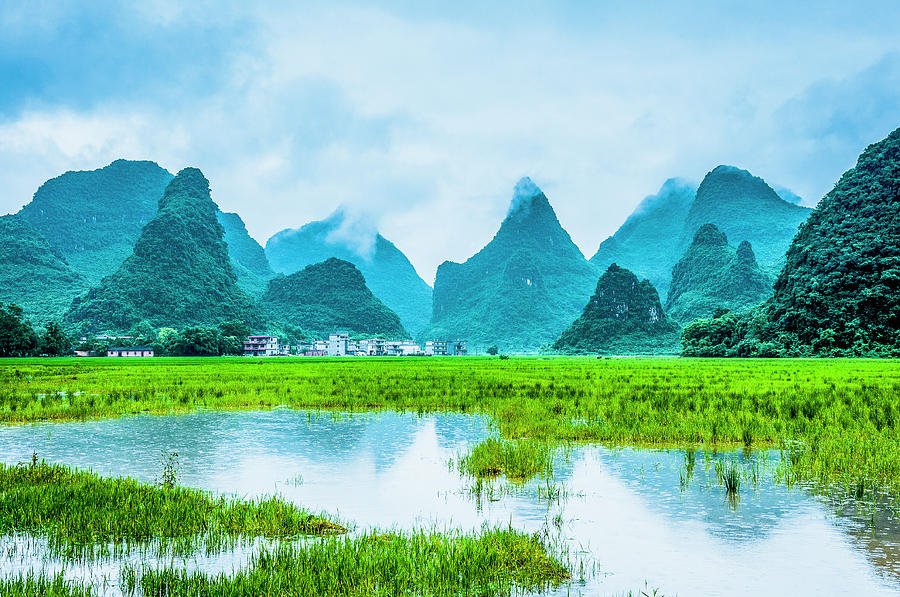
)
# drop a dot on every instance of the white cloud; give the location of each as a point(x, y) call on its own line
point(427, 123)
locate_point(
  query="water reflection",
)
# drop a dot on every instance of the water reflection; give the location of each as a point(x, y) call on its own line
point(623, 511)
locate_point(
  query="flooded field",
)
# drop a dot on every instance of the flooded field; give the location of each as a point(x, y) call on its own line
point(626, 519)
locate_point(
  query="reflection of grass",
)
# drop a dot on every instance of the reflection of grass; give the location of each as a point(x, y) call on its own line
point(844, 413)
point(493, 562)
point(80, 512)
point(518, 460)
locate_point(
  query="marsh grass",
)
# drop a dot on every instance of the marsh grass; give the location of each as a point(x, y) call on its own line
point(33, 585)
point(517, 460)
point(82, 514)
point(845, 412)
point(492, 562)
point(730, 476)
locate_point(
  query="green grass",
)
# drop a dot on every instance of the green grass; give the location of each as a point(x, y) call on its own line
point(31, 585)
point(518, 460)
point(840, 417)
point(493, 562)
point(80, 512)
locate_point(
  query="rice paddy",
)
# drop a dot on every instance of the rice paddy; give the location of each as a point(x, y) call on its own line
point(840, 417)
point(834, 423)
point(517, 460)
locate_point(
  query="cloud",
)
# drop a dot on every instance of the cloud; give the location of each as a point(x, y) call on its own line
point(423, 119)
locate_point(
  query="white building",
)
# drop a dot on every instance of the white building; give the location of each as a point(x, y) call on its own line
point(338, 344)
point(372, 347)
point(446, 348)
point(261, 346)
point(408, 348)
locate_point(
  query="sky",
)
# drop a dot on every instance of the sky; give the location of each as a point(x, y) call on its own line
point(418, 118)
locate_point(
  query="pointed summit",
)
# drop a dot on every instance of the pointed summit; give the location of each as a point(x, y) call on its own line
point(648, 242)
point(710, 236)
point(524, 193)
point(624, 316)
point(522, 289)
point(528, 202)
point(179, 273)
point(745, 207)
point(712, 274)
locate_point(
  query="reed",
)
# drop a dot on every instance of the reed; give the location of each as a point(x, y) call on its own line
point(32, 585)
point(82, 514)
point(517, 460)
point(492, 562)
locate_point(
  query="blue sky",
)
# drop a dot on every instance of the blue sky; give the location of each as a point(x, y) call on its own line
point(419, 118)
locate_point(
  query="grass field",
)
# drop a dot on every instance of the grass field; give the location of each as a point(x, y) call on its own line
point(493, 562)
point(837, 420)
point(82, 513)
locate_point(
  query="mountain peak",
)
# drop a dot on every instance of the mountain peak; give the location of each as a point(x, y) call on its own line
point(624, 315)
point(709, 235)
point(745, 254)
point(328, 296)
point(526, 188)
point(525, 195)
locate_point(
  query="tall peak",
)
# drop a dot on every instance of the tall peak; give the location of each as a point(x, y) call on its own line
point(709, 235)
point(525, 194)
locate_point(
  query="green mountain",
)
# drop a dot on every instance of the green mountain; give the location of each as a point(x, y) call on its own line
point(329, 296)
point(93, 218)
point(32, 275)
point(624, 316)
point(388, 272)
point(248, 259)
point(179, 273)
point(839, 291)
point(712, 274)
point(648, 243)
point(522, 289)
point(745, 208)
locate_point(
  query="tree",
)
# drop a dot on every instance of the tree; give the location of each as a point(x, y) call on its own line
point(493, 350)
point(166, 341)
point(54, 342)
point(17, 338)
point(198, 342)
point(233, 334)
point(142, 333)
point(235, 327)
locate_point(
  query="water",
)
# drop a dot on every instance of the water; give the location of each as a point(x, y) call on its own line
point(623, 512)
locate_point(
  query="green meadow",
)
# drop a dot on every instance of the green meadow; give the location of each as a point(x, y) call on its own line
point(835, 423)
point(836, 420)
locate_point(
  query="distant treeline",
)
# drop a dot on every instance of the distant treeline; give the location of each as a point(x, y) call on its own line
point(18, 338)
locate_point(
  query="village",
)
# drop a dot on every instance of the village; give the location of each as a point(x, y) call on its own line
point(339, 344)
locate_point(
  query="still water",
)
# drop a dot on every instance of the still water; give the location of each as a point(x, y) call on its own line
point(623, 513)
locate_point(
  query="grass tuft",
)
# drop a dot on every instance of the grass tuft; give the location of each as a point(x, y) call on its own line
point(518, 460)
point(491, 563)
point(79, 512)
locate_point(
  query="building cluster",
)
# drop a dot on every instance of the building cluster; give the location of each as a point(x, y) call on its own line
point(339, 344)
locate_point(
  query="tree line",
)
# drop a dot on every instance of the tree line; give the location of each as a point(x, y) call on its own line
point(18, 338)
